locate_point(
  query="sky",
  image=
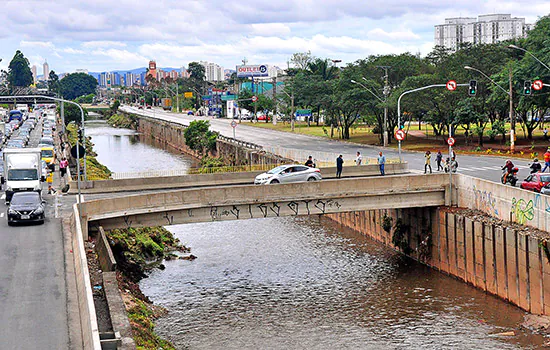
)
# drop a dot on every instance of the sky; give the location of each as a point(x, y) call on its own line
point(105, 35)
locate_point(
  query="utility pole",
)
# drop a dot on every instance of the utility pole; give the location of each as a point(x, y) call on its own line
point(512, 119)
point(386, 93)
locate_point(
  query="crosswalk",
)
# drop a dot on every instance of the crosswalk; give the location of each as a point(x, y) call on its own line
point(469, 169)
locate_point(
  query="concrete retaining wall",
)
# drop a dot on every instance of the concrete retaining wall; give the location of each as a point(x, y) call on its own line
point(496, 259)
point(104, 253)
point(117, 311)
point(88, 320)
point(504, 202)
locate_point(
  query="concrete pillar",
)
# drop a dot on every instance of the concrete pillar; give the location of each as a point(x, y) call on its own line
point(535, 277)
point(469, 249)
point(451, 239)
point(512, 265)
point(490, 263)
point(479, 255)
point(523, 267)
point(500, 258)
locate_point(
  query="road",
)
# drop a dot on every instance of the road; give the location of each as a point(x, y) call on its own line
point(485, 167)
point(33, 290)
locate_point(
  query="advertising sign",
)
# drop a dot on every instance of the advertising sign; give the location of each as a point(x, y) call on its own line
point(303, 113)
point(188, 94)
point(252, 71)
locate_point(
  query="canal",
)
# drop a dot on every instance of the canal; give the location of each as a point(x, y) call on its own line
point(307, 283)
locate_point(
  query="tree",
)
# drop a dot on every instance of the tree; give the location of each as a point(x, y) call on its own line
point(53, 82)
point(114, 107)
point(196, 71)
point(72, 113)
point(77, 84)
point(199, 138)
point(301, 59)
point(19, 71)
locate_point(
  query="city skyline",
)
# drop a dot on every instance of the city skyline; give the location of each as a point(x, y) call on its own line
point(105, 36)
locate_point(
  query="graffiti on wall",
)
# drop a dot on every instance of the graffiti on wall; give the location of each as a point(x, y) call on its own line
point(485, 201)
point(523, 210)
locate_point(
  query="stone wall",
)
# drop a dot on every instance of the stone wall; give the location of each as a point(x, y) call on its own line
point(494, 258)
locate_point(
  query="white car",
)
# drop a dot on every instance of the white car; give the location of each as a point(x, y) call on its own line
point(288, 173)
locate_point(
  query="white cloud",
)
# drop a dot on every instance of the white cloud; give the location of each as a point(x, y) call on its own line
point(96, 44)
point(41, 44)
point(381, 34)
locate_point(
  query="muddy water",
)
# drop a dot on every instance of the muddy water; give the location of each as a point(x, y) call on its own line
point(124, 150)
point(287, 283)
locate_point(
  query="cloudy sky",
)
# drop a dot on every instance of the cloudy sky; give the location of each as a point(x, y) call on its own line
point(103, 35)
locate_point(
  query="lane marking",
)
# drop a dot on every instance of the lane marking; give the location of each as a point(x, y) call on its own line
point(3, 196)
point(1, 215)
point(56, 207)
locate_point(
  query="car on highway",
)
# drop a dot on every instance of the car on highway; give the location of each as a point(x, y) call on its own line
point(287, 174)
point(264, 117)
point(148, 106)
point(45, 141)
point(535, 182)
point(26, 206)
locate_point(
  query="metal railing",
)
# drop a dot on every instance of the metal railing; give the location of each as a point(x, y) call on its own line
point(240, 142)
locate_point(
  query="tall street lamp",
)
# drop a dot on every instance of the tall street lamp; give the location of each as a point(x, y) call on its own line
point(529, 53)
point(384, 101)
point(510, 97)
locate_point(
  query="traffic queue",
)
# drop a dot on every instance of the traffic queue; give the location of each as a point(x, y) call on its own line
point(27, 161)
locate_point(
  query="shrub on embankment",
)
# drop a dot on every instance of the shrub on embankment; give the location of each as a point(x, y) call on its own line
point(127, 121)
point(138, 250)
point(94, 169)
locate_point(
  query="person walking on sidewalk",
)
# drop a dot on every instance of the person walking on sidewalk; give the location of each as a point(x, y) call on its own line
point(359, 158)
point(339, 166)
point(438, 159)
point(546, 160)
point(428, 164)
point(382, 163)
point(63, 164)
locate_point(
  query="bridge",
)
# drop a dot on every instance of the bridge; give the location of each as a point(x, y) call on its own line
point(237, 202)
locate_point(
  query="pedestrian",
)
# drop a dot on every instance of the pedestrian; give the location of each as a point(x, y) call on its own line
point(63, 164)
point(339, 166)
point(545, 132)
point(546, 160)
point(428, 164)
point(309, 162)
point(382, 163)
point(438, 159)
point(358, 159)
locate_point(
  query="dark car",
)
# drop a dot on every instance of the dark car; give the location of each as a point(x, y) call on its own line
point(535, 182)
point(26, 207)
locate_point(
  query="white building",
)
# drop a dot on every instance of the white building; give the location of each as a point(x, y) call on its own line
point(486, 29)
point(33, 70)
point(212, 71)
point(46, 71)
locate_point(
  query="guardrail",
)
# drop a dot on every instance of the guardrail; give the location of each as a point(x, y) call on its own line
point(241, 143)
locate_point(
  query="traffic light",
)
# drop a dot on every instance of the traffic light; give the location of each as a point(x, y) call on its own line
point(527, 87)
point(473, 88)
point(80, 137)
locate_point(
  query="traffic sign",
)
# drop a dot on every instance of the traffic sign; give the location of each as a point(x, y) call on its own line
point(188, 94)
point(254, 98)
point(450, 141)
point(233, 124)
point(537, 85)
point(81, 151)
point(451, 85)
point(399, 135)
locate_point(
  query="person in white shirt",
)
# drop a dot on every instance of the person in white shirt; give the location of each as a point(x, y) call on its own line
point(359, 158)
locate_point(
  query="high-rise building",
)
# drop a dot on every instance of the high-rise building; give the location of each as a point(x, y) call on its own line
point(129, 79)
point(212, 71)
point(46, 70)
point(152, 69)
point(486, 29)
point(33, 70)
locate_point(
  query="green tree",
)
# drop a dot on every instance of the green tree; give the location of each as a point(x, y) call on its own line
point(72, 113)
point(196, 71)
point(19, 71)
point(53, 82)
point(77, 84)
point(199, 138)
point(114, 107)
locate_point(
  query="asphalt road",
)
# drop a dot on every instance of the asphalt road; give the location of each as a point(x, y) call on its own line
point(33, 293)
point(483, 166)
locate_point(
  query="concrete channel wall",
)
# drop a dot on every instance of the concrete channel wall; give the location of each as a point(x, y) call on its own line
point(496, 259)
point(88, 320)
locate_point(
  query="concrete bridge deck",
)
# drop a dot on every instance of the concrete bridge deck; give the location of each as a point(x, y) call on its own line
point(253, 201)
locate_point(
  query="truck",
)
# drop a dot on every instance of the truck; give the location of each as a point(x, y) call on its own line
point(22, 171)
point(166, 104)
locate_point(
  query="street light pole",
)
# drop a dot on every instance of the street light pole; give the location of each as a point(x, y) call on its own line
point(509, 93)
point(386, 93)
point(529, 53)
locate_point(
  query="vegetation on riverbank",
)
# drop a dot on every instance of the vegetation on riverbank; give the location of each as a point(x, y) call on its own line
point(137, 251)
point(123, 121)
point(94, 169)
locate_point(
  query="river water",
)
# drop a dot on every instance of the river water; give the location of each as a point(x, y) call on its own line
point(308, 283)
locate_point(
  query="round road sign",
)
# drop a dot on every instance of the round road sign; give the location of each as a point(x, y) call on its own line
point(537, 85)
point(399, 135)
point(451, 85)
point(450, 141)
point(254, 98)
point(233, 124)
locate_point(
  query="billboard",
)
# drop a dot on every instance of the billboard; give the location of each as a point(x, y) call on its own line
point(252, 71)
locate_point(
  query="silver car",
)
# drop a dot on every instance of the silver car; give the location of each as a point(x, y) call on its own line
point(288, 173)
